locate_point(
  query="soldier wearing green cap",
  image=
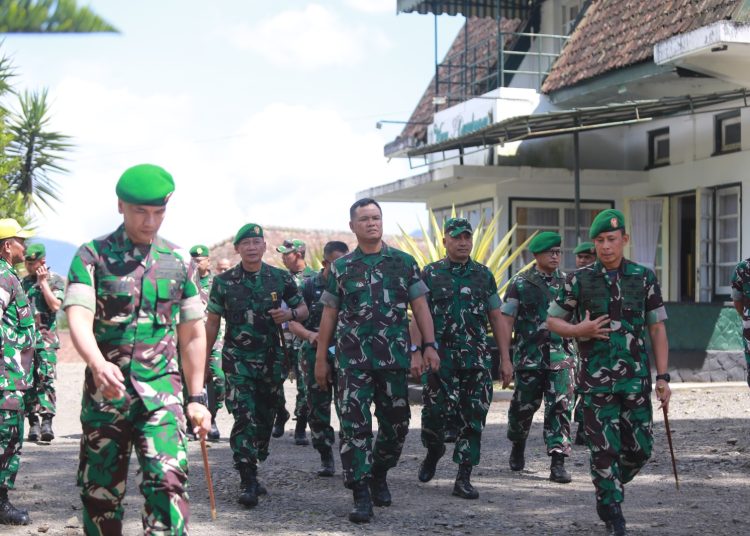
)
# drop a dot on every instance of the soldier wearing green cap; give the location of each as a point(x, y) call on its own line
point(46, 291)
point(463, 299)
point(19, 338)
point(293, 256)
point(617, 302)
point(130, 298)
point(248, 297)
point(542, 360)
point(215, 381)
point(741, 300)
point(365, 301)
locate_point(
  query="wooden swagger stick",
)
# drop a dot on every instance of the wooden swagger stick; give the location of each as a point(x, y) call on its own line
point(282, 341)
point(206, 469)
point(671, 449)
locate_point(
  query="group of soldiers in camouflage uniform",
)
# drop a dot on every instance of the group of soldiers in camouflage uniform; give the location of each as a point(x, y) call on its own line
point(132, 299)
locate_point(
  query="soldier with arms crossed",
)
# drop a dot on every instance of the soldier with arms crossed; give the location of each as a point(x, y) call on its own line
point(617, 302)
point(365, 300)
point(125, 292)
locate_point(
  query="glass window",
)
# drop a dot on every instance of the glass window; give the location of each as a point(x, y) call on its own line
point(728, 132)
point(727, 236)
point(477, 212)
point(658, 150)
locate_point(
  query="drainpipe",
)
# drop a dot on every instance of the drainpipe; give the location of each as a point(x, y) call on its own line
point(577, 184)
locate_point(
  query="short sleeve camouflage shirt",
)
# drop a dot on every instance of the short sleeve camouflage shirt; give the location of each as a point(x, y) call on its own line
point(632, 298)
point(137, 294)
point(461, 296)
point(527, 298)
point(372, 293)
point(244, 298)
point(46, 318)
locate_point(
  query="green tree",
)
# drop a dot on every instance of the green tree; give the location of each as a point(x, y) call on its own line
point(49, 16)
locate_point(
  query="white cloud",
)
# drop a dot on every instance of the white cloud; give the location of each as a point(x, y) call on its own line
point(309, 39)
point(372, 6)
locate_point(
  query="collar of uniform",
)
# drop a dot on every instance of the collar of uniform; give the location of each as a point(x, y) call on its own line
point(385, 251)
point(536, 277)
point(625, 268)
point(121, 242)
point(469, 265)
point(5, 264)
point(240, 272)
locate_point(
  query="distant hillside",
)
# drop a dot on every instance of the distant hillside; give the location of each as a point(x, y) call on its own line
point(59, 253)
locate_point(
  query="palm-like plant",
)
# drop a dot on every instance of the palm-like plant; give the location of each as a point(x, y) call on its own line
point(498, 260)
point(39, 150)
point(49, 16)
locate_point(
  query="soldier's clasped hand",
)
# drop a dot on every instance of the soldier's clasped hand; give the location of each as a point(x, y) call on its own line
point(109, 380)
point(593, 329)
point(280, 315)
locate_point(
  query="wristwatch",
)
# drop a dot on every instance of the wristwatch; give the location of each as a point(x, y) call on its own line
point(432, 345)
point(414, 348)
point(294, 314)
point(666, 377)
point(200, 399)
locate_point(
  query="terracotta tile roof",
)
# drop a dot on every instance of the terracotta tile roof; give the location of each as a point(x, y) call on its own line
point(614, 34)
point(479, 30)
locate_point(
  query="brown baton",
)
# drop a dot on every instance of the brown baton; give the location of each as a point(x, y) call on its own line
point(282, 341)
point(669, 440)
point(206, 469)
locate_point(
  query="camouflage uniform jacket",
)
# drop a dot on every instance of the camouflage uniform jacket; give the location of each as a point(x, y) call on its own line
point(19, 337)
point(527, 298)
point(312, 289)
point(299, 277)
point(136, 294)
point(632, 299)
point(371, 293)
point(741, 287)
point(461, 296)
point(204, 286)
point(251, 339)
point(46, 318)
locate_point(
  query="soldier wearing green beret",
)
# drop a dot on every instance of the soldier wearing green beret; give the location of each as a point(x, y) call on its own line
point(19, 336)
point(463, 299)
point(293, 256)
point(542, 360)
point(130, 298)
point(248, 297)
point(365, 301)
point(46, 291)
point(215, 381)
point(617, 302)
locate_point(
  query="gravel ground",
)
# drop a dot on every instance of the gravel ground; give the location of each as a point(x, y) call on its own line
point(710, 431)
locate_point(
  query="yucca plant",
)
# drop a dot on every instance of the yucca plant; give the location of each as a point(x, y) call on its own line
point(498, 260)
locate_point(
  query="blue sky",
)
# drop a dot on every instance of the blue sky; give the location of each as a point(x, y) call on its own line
point(262, 111)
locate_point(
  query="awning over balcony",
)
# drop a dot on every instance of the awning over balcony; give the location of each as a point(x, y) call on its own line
point(510, 9)
point(580, 119)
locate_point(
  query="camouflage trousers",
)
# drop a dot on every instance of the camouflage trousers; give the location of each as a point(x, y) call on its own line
point(472, 391)
point(11, 439)
point(110, 432)
point(252, 403)
point(215, 383)
point(300, 402)
point(357, 390)
point(319, 401)
point(41, 399)
point(555, 387)
point(619, 436)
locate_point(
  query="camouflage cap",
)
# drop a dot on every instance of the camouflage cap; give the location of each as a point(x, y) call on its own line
point(456, 226)
point(585, 247)
point(9, 228)
point(249, 230)
point(34, 252)
point(199, 251)
point(544, 241)
point(291, 245)
point(607, 221)
point(145, 184)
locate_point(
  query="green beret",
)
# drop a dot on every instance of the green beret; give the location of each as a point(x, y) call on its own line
point(289, 246)
point(456, 226)
point(585, 247)
point(145, 184)
point(544, 241)
point(34, 252)
point(249, 230)
point(607, 221)
point(199, 251)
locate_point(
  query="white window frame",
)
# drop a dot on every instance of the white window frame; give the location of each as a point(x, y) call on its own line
point(722, 121)
point(722, 288)
point(654, 138)
point(486, 207)
point(566, 21)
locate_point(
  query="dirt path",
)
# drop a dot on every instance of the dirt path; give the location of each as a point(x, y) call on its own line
point(711, 434)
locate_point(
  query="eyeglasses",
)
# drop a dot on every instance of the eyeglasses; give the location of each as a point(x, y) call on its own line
point(554, 252)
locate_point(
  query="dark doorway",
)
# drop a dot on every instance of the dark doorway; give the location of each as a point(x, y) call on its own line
point(687, 247)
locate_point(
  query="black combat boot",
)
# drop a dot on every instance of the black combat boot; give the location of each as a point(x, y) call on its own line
point(214, 434)
point(278, 425)
point(580, 438)
point(613, 518)
point(248, 486)
point(46, 431)
point(300, 435)
point(9, 514)
point(463, 488)
point(517, 462)
point(381, 495)
point(34, 428)
point(327, 465)
point(557, 471)
point(603, 513)
point(362, 511)
point(429, 464)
